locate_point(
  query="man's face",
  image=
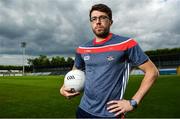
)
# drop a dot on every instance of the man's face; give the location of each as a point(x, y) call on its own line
point(100, 23)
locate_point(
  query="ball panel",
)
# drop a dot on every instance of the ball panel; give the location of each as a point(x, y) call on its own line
point(75, 79)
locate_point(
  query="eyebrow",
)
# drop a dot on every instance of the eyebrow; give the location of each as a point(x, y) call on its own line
point(99, 16)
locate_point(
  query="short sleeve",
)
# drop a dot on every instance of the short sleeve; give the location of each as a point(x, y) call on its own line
point(136, 56)
point(79, 62)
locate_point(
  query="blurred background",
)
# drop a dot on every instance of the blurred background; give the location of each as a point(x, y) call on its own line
point(38, 39)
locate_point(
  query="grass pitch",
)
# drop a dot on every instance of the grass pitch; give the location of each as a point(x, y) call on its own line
point(38, 96)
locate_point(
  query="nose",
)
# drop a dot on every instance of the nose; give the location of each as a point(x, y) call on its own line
point(98, 21)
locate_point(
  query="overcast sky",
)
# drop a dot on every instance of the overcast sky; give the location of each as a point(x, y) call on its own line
point(57, 27)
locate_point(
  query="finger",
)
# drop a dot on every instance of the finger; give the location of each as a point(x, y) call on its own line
point(72, 90)
point(75, 93)
point(112, 102)
point(67, 89)
point(115, 110)
point(72, 94)
point(112, 107)
point(119, 112)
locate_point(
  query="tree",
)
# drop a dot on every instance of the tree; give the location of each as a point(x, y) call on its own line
point(164, 51)
point(58, 61)
point(70, 62)
point(44, 61)
point(39, 62)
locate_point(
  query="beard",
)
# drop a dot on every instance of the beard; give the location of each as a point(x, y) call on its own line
point(103, 33)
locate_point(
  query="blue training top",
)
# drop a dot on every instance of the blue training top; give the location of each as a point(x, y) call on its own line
point(106, 66)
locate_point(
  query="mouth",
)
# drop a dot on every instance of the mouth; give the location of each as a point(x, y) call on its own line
point(99, 28)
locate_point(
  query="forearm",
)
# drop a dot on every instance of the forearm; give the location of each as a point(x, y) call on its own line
point(147, 82)
point(74, 67)
point(123, 106)
point(144, 87)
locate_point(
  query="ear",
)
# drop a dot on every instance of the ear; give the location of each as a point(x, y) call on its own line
point(111, 22)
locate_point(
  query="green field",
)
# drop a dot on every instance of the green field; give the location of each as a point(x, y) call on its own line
point(38, 96)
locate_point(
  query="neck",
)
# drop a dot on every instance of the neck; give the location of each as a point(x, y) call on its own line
point(101, 38)
point(98, 39)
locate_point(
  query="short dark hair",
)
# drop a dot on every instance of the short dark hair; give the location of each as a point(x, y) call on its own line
point(101, 8)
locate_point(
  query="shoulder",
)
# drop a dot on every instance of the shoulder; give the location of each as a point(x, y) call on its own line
point(120, 38)
point(117, 39)
point(86, 44)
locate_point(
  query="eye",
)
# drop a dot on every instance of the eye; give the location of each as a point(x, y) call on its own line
point(103, 17)
point(93, 18)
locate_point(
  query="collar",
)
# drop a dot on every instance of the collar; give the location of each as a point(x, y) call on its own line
point(103, 41)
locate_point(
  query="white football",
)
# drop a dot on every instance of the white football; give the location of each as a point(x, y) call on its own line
point(74, 80)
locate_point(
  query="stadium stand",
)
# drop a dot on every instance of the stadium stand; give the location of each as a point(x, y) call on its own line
point(10, 73)
point(167, 63)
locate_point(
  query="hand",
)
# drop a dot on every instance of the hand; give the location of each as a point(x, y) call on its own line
point(67, 92)
point(119, 106)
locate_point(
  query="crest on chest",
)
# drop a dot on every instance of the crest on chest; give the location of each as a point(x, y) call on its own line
point(110, 58)
point(86, 58)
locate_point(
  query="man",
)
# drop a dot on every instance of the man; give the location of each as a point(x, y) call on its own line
point(107, 60)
